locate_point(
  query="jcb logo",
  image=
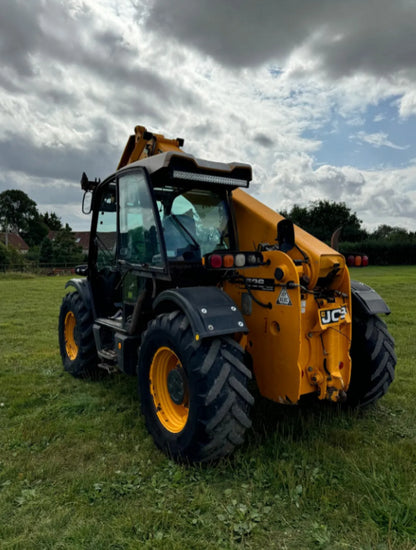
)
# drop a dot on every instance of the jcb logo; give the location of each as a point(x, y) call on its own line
point(329, 316)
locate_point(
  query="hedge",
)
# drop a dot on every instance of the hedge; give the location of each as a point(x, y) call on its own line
point(382, 252)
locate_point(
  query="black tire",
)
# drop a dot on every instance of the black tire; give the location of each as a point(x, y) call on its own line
point(76, 340)
point(373, 360)
point(202, 413)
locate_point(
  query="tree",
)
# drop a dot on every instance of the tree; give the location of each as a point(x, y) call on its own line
point(52, 221)
point(36, 232)
point(19, 214)
point(17, 210)
point(65, 249)
point(10, 258)
point(321, 218)
point(46, 251)
point(389, 233)
point(4, 257)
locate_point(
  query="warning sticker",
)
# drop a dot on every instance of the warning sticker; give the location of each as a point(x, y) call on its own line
point(284, 298)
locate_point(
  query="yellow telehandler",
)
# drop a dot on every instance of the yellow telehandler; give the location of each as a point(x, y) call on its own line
point(196, 287)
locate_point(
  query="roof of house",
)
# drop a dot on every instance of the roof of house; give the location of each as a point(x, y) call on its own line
point(14, 240)
point(82, 238)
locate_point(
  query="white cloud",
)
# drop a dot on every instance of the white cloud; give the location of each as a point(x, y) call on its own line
point(378, 139)
point(408, 104)
point(77, 76)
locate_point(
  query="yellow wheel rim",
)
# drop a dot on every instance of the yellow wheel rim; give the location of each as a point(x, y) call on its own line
point(169, 389)
point(69, 330)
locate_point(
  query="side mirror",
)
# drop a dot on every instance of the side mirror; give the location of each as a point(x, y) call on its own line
point(87, 202)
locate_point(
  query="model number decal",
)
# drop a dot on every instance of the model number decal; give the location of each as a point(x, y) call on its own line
point(255, 283)
point(329, 316)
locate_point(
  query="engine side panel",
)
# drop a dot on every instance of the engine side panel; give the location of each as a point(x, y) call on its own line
point(300, 341)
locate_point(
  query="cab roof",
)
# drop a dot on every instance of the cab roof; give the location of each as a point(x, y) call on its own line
point(180, 165)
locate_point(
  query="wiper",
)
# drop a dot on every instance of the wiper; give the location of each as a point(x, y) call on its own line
point(185, 230)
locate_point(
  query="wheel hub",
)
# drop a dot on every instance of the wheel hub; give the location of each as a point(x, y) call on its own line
point(71, 335)
point(177, 385)
point(169, 389)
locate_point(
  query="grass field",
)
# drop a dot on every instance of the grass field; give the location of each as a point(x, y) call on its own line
point(79, 471)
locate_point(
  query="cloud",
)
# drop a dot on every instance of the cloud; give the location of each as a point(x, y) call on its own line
point(378, 139)
point(375, 36)
point(408, 104)
point(19, 154)
point(259, 82)
point(377, 196)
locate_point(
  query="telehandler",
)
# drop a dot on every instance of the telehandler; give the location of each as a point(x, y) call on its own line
point(196, 287)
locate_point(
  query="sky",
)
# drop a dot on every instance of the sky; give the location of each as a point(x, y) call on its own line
point(319, 96)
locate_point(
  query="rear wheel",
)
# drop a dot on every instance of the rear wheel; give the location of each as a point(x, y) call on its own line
point(76, 341)
point(373, 360)
point(193, 394)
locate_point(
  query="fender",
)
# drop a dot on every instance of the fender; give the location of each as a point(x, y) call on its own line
point(84, 289)
point(211, 312)
point(366, 299)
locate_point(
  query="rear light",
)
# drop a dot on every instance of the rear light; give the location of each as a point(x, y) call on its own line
point(215, 261)
point(357, 260)
point(230, 260)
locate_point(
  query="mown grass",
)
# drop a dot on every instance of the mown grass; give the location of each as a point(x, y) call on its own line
point(78, 469)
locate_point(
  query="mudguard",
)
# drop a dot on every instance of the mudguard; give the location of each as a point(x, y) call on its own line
point(211, 312)
point(83, 287)
point(366, 299)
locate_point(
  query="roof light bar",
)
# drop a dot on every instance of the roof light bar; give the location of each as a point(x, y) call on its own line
point(209, 178)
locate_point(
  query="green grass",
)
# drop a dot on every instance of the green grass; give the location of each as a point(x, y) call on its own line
point(79, 471)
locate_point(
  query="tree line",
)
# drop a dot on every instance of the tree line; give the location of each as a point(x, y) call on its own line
point(19, 215)
point(385, 245)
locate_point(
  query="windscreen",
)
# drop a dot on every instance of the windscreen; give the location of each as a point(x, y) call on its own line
point(194, 221)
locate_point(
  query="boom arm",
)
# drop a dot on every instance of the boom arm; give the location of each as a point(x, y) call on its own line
point(145, 144)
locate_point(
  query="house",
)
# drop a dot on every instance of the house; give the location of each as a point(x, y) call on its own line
point(14, 240)
point(82, 238)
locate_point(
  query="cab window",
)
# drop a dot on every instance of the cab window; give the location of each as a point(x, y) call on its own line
point(139, 236)
point(106, 231)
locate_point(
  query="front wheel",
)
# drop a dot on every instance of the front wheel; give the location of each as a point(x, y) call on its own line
point(373, 360)
point(193, 394)
point(76, 340)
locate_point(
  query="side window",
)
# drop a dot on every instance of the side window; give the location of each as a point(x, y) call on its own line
point(139, 238)
point(106, 233)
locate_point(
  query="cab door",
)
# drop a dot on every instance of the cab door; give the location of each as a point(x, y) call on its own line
point(141, 253)
point(103, 268)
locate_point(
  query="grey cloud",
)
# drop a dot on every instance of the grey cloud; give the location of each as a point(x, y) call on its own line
point(263, 140)
point(371, 35)
point(51, 192)
point(19, 154)
point(19, 34)
point(45, 30)
point(237, 33)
